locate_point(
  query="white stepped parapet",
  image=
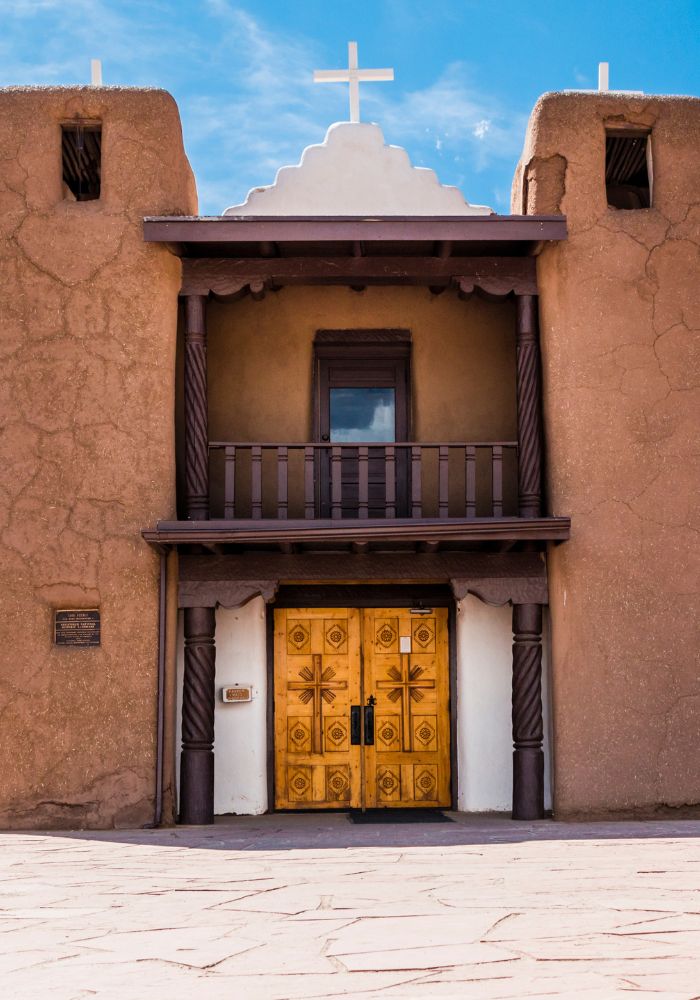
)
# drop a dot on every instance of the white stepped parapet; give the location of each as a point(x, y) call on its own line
point(354, 172)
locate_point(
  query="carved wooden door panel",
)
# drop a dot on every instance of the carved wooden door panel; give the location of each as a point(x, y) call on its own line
point(317, 680)
point(406, 668)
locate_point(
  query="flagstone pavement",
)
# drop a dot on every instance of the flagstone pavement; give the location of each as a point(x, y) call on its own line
point(307, 906)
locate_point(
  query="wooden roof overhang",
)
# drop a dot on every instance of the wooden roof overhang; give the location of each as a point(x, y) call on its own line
point(372, 535)
point(228, 256)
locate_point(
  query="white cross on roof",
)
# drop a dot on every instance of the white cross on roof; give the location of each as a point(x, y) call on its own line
point(354, 76)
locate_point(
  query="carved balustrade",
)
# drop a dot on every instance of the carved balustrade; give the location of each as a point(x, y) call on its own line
point(273, 481)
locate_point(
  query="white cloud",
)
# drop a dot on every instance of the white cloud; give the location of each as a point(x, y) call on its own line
point(245, 90)
point(463, 117)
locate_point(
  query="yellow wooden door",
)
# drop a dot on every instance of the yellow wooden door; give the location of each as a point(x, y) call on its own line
point(328, 660)
point(317, 679)
point(406, 669)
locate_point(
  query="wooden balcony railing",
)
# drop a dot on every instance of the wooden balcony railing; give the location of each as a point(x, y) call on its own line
point(363, 481)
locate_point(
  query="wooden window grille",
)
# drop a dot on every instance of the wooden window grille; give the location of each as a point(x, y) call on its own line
point(628, 168)
point(81, 151)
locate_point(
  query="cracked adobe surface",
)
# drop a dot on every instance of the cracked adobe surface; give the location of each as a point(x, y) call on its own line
point(88, 319)
point(620, 318)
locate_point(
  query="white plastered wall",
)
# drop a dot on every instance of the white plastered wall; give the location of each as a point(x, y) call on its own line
point(484, 742)
point(240, 745)
point(484, 729)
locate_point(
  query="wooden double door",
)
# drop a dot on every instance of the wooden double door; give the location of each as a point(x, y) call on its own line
point(361, 708)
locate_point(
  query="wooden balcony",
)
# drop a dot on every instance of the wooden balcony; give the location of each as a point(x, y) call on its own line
point(404, 497)
point(361, 482)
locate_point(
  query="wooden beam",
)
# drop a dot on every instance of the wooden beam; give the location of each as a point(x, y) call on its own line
point(372, 530)
point(227, 276)
point(230, 229)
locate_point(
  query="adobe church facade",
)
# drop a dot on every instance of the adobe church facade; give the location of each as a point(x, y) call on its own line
point(357, 495)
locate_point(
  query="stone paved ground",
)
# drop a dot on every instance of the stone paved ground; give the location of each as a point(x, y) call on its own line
point(307, 906)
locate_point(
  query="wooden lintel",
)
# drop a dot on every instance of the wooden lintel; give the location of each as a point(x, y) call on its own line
point(371, 531)
point(226, 276)
point(319, 229)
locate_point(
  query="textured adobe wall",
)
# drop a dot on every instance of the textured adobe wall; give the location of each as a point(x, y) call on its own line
point(620, 318)
point(463, 360)
point(87, 336)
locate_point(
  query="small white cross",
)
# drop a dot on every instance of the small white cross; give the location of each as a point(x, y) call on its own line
point(95, 72)
point(603, 76)
point(354, 77)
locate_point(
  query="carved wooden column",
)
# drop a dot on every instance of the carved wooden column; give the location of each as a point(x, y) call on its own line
point(197, 759)
point(529, 396)
point(528, 731)
point(198, 693)
point(196, 407)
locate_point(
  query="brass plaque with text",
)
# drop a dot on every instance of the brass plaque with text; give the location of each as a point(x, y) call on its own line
point(80, 627)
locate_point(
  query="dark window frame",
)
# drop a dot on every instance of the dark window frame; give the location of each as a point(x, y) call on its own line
point(628, 168)
point(362, 352)
point(81, 159)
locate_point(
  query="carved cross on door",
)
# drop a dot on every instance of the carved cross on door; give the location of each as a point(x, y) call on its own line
point(317, 684)
point(406, 684)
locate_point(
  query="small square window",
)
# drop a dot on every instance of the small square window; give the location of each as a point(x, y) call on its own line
point(81, 151)
point(627, 168)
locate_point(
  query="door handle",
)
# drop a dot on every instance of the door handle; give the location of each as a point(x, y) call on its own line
point(355, 725)
point(369, 721)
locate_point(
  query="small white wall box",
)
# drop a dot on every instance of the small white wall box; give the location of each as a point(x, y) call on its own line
point(236, 692)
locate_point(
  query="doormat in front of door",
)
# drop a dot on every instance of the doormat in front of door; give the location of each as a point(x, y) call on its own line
point(398, 816)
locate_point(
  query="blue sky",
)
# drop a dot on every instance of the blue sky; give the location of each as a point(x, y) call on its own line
point(466, 73)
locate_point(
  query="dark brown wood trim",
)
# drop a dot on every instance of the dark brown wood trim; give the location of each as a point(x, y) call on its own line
point(225, 276)
point(198, 701)
point(230, 229)
point(370, 530)
point(196, 409)
point(452, 652)
point(369, 595)
point(355, 358)
point(270, 651)
point(529, 402)
point(231, 580)
point(360, 338)
point(528, 729)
